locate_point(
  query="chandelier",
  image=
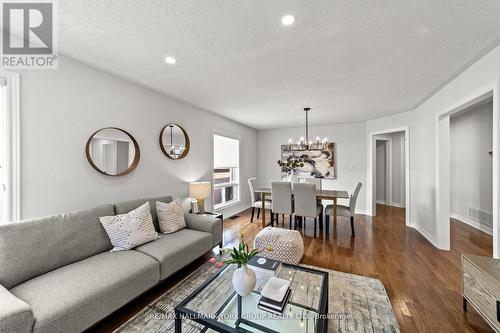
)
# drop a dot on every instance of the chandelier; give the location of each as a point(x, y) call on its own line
point(304, 143)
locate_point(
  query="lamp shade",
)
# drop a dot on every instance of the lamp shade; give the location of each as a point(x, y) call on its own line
point(199, 190)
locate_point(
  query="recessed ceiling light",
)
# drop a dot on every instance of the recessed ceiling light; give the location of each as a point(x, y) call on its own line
point(170, 60)
point(288, 20)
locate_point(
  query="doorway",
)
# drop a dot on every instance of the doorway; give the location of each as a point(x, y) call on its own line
point(488, 94)
point(471, 166)
point(388, 170)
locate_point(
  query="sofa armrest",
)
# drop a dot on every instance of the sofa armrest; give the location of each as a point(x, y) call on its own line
point(207, 224)
point(15, 314)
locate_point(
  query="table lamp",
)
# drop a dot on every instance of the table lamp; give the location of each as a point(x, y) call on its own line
point(199, 191)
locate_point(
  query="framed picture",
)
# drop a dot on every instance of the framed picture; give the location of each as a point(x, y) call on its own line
point(318, 162)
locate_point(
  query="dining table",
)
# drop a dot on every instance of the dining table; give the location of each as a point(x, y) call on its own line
point(332, 195)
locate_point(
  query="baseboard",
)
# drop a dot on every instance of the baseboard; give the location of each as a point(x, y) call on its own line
point(362, 212)
point(392, 204)
point(231, 211)
point(473, 223)
point(424, 233)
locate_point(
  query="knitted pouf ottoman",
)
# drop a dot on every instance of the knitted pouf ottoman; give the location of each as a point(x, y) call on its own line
point(287, 245)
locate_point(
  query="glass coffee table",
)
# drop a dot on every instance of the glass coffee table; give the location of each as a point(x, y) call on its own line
point(215, 307)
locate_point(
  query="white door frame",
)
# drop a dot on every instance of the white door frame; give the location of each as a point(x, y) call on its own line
point(388, 168)
point(371, 194)
point(442, 121)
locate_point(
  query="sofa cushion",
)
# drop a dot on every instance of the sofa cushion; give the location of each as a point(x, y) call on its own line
point(127, 206)
point(130, 230)
point(176, 250)
point(74, 297)
point(33, 247)
point(170, 217)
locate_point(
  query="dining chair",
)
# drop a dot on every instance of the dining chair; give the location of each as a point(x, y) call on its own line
point(312, 180)
point(347, 211)
point(305, 203)
point(281, 201)
point(257, 203)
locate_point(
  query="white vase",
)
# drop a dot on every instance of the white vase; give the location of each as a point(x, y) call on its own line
point(244, 280)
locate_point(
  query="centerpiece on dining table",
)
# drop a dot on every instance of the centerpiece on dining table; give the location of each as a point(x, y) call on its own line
point(290, 166)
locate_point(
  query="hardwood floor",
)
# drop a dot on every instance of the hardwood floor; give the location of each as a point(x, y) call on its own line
point(423, 283)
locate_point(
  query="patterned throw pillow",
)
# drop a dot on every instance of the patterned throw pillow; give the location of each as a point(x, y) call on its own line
point(170, 216)
point(130, 230)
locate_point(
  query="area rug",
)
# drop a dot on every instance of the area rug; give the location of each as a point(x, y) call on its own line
point(357, 304)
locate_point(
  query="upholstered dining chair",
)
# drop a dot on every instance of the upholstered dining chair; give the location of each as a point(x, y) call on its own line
point(256, 202)
point(347, 211)
point(282, 201)
point(316, 181)
point(305, 203)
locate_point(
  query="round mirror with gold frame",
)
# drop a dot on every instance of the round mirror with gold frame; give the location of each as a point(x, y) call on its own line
point(174, 141)
point(112, 151)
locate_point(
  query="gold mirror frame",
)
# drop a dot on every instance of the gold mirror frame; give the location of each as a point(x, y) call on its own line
point(187, 144)
point(132, 166)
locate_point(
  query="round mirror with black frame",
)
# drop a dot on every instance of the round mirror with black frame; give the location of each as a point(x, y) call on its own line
point(112, 151)
point(174, 141)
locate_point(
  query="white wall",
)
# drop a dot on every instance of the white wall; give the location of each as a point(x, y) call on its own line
point(422, 135)
point(350, 152)
point(398, 169)
point(471, 167)
point(381, 171)
point(61, 108)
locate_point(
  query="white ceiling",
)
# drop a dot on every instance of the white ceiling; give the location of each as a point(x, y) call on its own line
point(348, 60)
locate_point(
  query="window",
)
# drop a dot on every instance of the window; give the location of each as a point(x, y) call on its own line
point(226, 179)
point(9, 154)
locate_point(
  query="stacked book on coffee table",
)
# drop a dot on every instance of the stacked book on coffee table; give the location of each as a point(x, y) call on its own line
point(275, 296)
point(265, 266)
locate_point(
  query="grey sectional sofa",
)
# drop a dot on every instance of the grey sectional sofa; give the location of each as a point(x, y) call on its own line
point(57, 274)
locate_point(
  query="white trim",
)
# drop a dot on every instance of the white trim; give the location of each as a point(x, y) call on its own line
point(402, 169)
point(13, 164)
point(442, 166)
point(234, 210)
point(424, 233)
point(371, 195)
point(392, 204)
point(473, 223)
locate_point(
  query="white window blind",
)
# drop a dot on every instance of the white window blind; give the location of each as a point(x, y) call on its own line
point(226, 152)
point(226, 173)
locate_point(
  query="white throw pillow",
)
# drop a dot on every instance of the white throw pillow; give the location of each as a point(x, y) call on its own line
point(170, 216)
point(130, 230)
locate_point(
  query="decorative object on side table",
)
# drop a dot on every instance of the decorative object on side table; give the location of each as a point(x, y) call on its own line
point(200, 190)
